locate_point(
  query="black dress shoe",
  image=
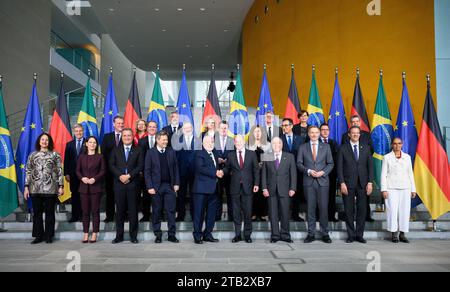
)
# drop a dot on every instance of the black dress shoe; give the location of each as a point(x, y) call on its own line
point(49, 240)
point(309, 239)
point(394, 239)
point(349, 240)
point(288, 240)
point(179, 219)
point(37, 240)
point(274, 240)
point(211, 239)
point(144, 219)
point(173, 239)
point(334, 220)
point(297, 219)
point(134, 241)
point(370, 220)
point(326, 239)
point(361, 240)
point(236, 239)
point(158, 239)
point(248, 240)
point(108, 220)
point(403, 239)
point(73, 220)
point(116, 241)
point(198, 241)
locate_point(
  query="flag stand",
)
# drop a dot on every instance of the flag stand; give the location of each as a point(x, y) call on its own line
point(434, 228)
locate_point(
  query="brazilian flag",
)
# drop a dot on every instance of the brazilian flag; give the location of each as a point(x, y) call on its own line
point(382, 131)
point(87, 116)
point(157, 109)
point(315, 109)
point(8, 178)
point(239, 123)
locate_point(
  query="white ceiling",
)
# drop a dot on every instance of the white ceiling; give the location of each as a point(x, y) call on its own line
point(152, 32)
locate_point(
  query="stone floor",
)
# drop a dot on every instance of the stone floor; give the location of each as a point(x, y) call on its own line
point(261, 256)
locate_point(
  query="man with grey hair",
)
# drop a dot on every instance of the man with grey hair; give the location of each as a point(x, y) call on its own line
point(73, 150)
point(279, 182)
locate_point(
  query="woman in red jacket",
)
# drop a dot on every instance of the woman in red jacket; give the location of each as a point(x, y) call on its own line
point(91, 170)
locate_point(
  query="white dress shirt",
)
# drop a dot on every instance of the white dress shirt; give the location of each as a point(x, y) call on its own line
point(353, 147)
point(243, 155)
point(397, 173)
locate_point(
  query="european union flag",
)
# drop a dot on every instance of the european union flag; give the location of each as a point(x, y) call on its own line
point(110, 111)
point(184, 103)
point(32, 128)
point(337, 120)
point(405, 129)
point(265, 100)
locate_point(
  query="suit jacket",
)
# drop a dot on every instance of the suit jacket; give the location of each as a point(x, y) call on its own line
point(249, 176)
point(355, 173)
point(364, 139)
point(280, 181)
point(186, 157)
point(169, 130)
point(70, 159)
point(334, 151)
point(144, 144)
point(297, 141)
point(302, 132)
point(205, 180)
point(91, 167)
point(324, 162)
point(134, 166)
point(108, 145)
point(152, 171)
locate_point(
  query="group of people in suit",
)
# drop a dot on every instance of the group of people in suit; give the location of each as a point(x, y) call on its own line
point(269, 175)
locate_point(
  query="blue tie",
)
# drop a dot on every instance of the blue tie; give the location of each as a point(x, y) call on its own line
point(355, 152)
point(78, 147)
point(290, 143)
point(127, 153)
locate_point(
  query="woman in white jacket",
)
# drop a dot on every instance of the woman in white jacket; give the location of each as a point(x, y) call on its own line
point(398, 187)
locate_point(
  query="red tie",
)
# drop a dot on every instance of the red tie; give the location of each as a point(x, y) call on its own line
point(241, 160)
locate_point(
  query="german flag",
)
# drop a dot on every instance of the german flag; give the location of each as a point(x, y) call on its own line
point(212, 107)
point(432, 171)
point(293, 103)
point(60, 131)
point(133, 108)
point(358, 107)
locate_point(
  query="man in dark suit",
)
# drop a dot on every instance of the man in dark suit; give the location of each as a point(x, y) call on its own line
point(174, 126)
point(243, 169)
point(146, 144)
point(355, 176)
point(325, 138)
point(269, 127)
point(279, 182)
point(315, 162)
point(185, 149)
point(162, 178)
point(291, 143)
point(223, 146)
point(110, 142)
point(204, 190)
point(73, 150)
point(365, 139)
point(126, 164)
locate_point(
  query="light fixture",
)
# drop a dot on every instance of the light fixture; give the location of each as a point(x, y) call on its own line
point(203, 9)
point(180, 9)
point(157, 9)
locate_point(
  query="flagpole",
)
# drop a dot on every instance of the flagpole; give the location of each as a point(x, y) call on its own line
point(1, 80)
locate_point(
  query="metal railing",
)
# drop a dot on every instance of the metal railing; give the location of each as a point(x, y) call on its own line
point(73, 56)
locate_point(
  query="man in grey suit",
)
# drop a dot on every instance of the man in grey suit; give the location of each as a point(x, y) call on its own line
point(279, 182)
point(315, 161)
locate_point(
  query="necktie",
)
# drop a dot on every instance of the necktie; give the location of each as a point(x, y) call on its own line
point(314, 151)
point(117, 139)
point(152, 142)
point(78, 147)
point(325, 140)
point(174, 130)
point(277, 162)
point(355, 152)
point(223, 145)
point(212, 157)
point(241, 160)
point(127, 153)
point(270, 134)
point(163, 151)
point(290, 143)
